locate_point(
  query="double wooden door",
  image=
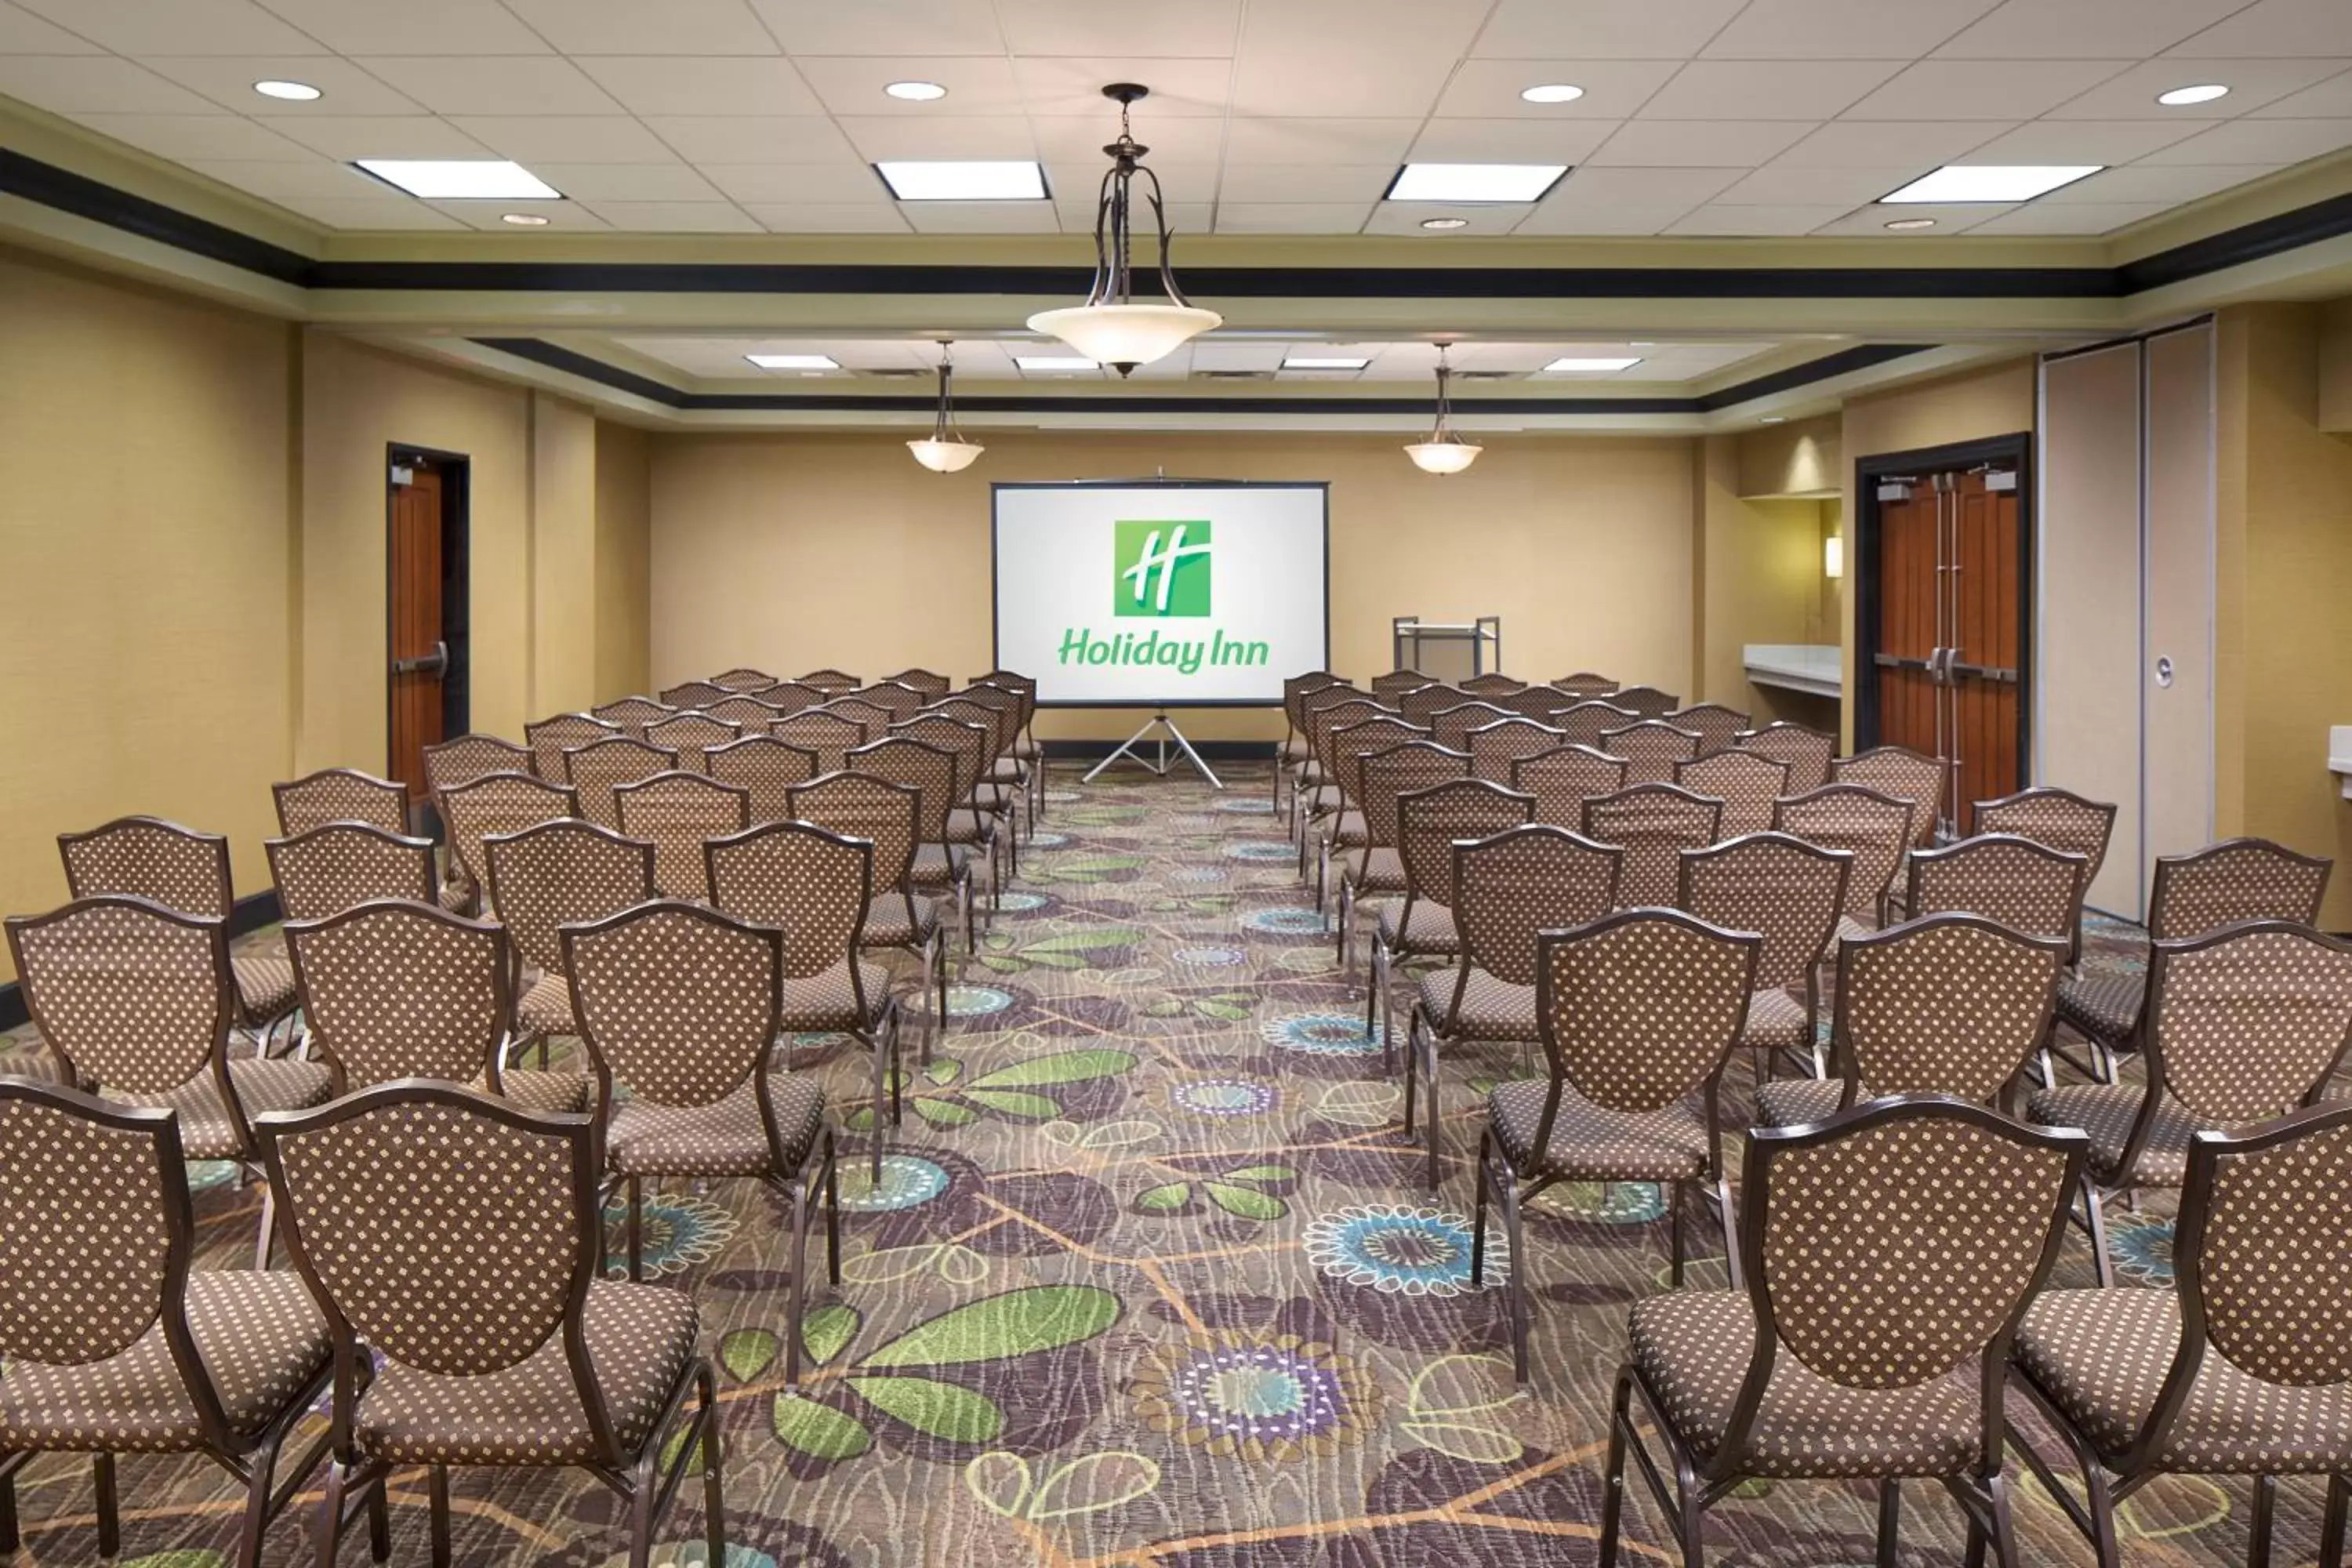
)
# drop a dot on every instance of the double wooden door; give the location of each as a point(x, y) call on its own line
point(1951, 597)
point(417, 572)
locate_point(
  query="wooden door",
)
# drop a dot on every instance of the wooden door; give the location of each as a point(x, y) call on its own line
point(1980, 669)
point(420, 656)
point(1910, 631)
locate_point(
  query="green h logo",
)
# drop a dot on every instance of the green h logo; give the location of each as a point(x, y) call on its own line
point(1163, 569)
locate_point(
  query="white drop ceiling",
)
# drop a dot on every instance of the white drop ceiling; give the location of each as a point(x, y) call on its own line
point(1699, 117)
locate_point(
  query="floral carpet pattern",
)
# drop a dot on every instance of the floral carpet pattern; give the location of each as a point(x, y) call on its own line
point(1151, 1280)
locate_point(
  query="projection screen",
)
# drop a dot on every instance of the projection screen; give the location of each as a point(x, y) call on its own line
point(1179, 592)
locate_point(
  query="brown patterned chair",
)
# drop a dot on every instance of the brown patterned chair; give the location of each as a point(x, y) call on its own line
point(1540, 703)
point(1423, 703)
point(135, 1002)
point(1495, 747)
point(1947, 1004)
point(1397, 682)
point(929, 682)
point(599, 768)
point(113, 1341)
point(2236, 880)
point(1638, 1013)
point(473, 1288)
point(1563, 778)
point(2244, 1367)
point(1854, 1353)
point(1876, 827)
point(792, 696)
point(690, 735)
point(2060, 819)
point(1652, 748)
point(2016, 882)
point(766, 766)
point(550, 738)
point(897, 698)
point(403, 989)
point(1493, 683)
point(829, 735)
point(340, 794)
point(2241, 1025)
point(1306, 773)
point(1585, 722)
point(1429, 819)
point(938, 866)
point(744, 678)
point(632, 714)
point(834, 682)
point(815, 887)
point(1584, 685)
point(887, 815)
point(1317, 791)
point(749, 715)
point(1293, 753)
point(1508, 891)
point(461, 761)
point(182, 869)
point(1009, 779)
point(1808, 752)
point(1645, 701)
point(1377, 869)
point(1342, 828)
point(497, 803)
point(969, 829)
point(1026, 749)
point(331, 867)
point(1716, 725)
point(1748, 783)
point(691, 694)
point(870, 717)
point(1654, 824)
point(677, 813)
point(1450, 727)
point(543, 878)
point(1904, 773)
point(1791, 893)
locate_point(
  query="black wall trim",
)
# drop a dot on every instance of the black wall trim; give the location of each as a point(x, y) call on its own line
point(84, 197)
point(249, 913)
point(2235, 247)
point(1211, 750)
point(554, 356)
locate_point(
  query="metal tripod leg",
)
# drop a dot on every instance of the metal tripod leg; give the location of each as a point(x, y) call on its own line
point(1163, 763)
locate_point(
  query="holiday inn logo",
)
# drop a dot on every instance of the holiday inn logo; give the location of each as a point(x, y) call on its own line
point(1163, 569)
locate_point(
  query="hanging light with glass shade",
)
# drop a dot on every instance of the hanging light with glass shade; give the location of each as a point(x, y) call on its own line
point(944, 450)
point(1112, 327)
point(1444, 452)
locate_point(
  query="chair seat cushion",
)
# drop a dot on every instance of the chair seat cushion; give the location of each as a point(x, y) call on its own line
point(1849, 925)
point(2103, 1007)
point(826, 1001)
point(206, 1131)
point(888, 925)
point(724, 1138)
point(2102, 1357)
point(1321, 800)
point(641, 1339)
point(1007, 771)
point(938, 865)
point(1427, 928)
point(1798, 1102)
point(1491, 1009)
point(1592, 1143)
point(265, 988)
point(535, 1089)
point(260, 1336)
point(971, 826)
point(1777, 1020)
point(1693, 1347)
point(1377, 871)
point(1346, 831)
point(2107, 1111)
point(546, 1007)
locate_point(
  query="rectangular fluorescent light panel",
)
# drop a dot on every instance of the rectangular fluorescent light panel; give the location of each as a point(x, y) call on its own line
point(461, 179)
point(1324, 361)
point(1473, 181)
point(794, 362)
point(1019, 181)
point(1956, 182)
point(1607, 363)
point(1056, 362)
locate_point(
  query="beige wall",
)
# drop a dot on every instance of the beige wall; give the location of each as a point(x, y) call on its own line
point(562, 556)
point(788, 553)
point(623, 561)
point(1761, 581)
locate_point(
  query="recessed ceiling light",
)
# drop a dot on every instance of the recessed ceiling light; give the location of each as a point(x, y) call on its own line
point(524, 220)
point(1610, 362)
point(1552, 92)
point(291, 92)
point(2203, 92)
point(461, 179)
point(915, 91)
point(1441, 223)
point(1910, 223)
point(1473, 181)
point(976, 180)
point(794, 362)
point(1324, 361)
point(1639, 344)
point(1056, 362)
point(1961, 182)
point(1774, 419)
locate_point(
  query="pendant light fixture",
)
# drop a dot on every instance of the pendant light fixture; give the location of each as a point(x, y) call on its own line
point(1444, 452)
point(1112, 327)
point(945, 451)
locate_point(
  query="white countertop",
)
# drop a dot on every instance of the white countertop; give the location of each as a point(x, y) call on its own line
point(1817, 668)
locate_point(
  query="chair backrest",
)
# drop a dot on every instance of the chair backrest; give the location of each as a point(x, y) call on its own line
point(873, 718)
point(148, 858)
point(328, 868)
point(469, 757)
point(676, 1000)
point(1950, 1004)
point(1652, 748)
point(1654, 824)
point(1716, 725)
point(2057, 817)
point(836, 682)
point(791, 696)
point(632, 714)
point(895, 698)
point(127, 993)
point(1349, 744)
point(2025, 886)
point(885, 814)
point(1397, 682)
point(1314, 698)
point(599, 768)
point(964, 741)
point(927, 770)
point(1430, 820)
point(1495, 747)
point(1493, 683)
point(766, 766)
point(1586, 721)
point(675, 813)
point(688, 694)
point(1563, 778)
point(1009, 705)
point(1537, 702)
point(691, 735)
point(811, 884)
point(1423, 703)
point(1808, 752)
point(1400, 770)
point(1645, 701)
point(1904, 773)
point(995, 723)
point(1748, 783)
point(829, 734)
point(2236, 880)
point(498, 803)
point(744, 678)
point(402, 989)
point(1876, 827)
point(563, 873)
point(1788, 891)
point(1583, 684)
point(340, 794)
point(1639, 1009)
point(550, 738)
point(2248, 1021)
point(1294, 692)
point(749, 715)
point(1450, 727)
point(1520, 882)
point(929, 682)
point(1325, 719)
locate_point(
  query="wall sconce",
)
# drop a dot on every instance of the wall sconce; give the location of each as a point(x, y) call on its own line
point(1833, 557)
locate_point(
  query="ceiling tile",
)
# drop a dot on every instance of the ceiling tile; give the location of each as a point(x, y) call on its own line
point(228, 82)
point(676, 218)
point(1716, 218)
point(2252, 83)
point(1196, 27)
point(1765, 90)
point(22, 33)
point(1448, 140)
point(602, 185)
point(177, 26)
point(1289, 140)
point(1603, 29)
point(319, 177)
point(1184, 218)
point(655, 84)
point(559, 216)
point(2176, 182)
point(852, 84)
point(1180, 89)
point(1077, 187)
point(2331, 100)
point(754, 139)
point(634, 27)
point(1406, 218)
point(95, 84)
point(576, 138)
point(494, 84)
point(1340, 56)
point(373, 28)
point(347, 137)
point(1696, 143)
point(983, 217)
point(2277, 29)
point(1781, 186)
point(1983, 89)
point(1923, 143)
point(2109, 142)
point(881, 27)
point(1591, 188)
point(1872, 220)
point(1841, 29)
point(359, 216)
point(829, 217)
point(1291, 217)
point(1324, 183)
point(1633, 217)
point(974, 137)
point(181, 136)
point(2087, 29)
point(1613, 90)
point(787, 183)
point(1080, 139)
point(2258, 141)
point(2071, 217)
point(1216, 352)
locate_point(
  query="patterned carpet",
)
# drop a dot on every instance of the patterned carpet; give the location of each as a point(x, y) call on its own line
point(1149, 1280)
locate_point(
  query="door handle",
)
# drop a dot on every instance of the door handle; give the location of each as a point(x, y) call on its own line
point(434, 663)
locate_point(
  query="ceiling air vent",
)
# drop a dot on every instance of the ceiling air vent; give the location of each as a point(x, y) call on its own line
point(896, 375)
point(1234, 375)
point(1485, 374)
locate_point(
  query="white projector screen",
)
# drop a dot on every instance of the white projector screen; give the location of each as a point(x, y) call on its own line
point(1179, 593)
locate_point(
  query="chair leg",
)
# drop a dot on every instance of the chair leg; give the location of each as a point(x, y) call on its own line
point(2101, 1504)
point(1347, 948)
point(110, 1513)
point(1692, 1521)
point(9, 1537)
point(1612, 1495)
point(1478, 1223)
point(329, 1533)
point(1432, 1122)
point(1730, 1233)
point(2258, 1539)
point(2004, 1526)
point(1515, 1237)
point(1890, 1519)
point(263, 1471)
point(437, 1487)
point(644, 1490)
point(261, 1243)
point(379, 1517)
point(1373, 1002)
point(714, 1502)
point(832, 1213)
point(1412, 1062)
point(795, 1301)
point(2103, 1269)
point(1675, 1225)
point(636, 1228)
point(2331, 1533)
